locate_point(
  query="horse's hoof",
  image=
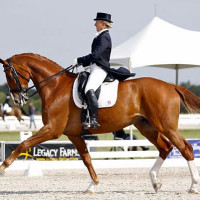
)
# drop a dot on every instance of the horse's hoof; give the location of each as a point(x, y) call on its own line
point(157, 186)
point(193, 191)
point(90, 192)
point(2, 173)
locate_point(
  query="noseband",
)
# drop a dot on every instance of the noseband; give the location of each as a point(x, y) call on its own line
point(23, 92)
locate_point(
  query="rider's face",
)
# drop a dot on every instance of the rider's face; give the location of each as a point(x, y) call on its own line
point(100, 25)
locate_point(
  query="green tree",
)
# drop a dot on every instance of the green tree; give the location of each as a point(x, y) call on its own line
point(3, 91)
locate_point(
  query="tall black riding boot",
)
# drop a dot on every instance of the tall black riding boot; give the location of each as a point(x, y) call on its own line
point(4, 114)
point(93, 108)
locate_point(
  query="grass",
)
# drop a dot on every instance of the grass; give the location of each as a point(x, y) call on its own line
point(188, 134)
point(15, 136)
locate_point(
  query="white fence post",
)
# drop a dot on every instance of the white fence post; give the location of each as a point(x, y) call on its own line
point(2, 157)
point(24, 135)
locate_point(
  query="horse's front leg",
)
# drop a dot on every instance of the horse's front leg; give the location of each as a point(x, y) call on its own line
point(80, 145)
point(44, 134)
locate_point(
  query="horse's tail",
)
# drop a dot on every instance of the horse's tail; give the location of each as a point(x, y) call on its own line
point(189, 99)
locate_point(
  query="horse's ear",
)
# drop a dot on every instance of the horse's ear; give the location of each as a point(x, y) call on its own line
point(4, 62)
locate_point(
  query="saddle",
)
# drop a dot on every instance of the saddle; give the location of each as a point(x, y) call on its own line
point(82, 81)
point(106, 93)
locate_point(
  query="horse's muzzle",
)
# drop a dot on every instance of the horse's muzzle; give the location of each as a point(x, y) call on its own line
point(17, 101)
point(21, 99)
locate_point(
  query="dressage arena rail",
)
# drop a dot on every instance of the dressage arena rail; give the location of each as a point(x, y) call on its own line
point(186, 121)
point(117, 156)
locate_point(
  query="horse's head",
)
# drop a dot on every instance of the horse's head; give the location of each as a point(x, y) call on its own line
point(17, 78)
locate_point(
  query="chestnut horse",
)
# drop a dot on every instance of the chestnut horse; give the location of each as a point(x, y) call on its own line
point(17, 112)
point(152, 105)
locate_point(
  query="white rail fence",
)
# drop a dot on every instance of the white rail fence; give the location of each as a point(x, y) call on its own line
point(120, 158)
point(12, 124)
point(186, 121)
point(121, 149)
point(105, 159)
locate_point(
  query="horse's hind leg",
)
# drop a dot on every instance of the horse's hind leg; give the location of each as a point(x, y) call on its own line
point(162, 144)
point(186, 150)
point(164, 147)
point(19, 118)
point(80, 145)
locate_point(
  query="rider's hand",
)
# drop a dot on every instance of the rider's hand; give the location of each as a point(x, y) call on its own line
point(75, 62)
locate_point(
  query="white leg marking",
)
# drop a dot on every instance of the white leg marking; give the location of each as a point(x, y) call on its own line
point(154, 174)
point(194, 175)
point(91, 188)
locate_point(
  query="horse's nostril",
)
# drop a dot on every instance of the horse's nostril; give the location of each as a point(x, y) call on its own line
point(16, 101)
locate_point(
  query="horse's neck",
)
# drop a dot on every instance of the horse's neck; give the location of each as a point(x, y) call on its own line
point(41, 72)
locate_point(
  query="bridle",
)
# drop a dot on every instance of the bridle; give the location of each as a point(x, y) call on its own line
point(23, 92)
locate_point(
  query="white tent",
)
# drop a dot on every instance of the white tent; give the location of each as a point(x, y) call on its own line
point(159, 44)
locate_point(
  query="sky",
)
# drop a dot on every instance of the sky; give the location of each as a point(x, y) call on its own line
point(63, 30)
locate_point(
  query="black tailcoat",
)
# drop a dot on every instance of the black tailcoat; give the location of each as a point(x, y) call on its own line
point(100, 55)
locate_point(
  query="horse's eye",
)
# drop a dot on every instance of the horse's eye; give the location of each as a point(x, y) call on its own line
point(8, 76)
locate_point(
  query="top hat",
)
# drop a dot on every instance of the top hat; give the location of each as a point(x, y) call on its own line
point(104, 17)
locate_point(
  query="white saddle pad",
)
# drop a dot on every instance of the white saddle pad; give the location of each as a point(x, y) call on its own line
point(107, 97)
point(6, 108)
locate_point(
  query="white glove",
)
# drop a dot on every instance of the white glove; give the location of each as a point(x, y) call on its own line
point(75, 62)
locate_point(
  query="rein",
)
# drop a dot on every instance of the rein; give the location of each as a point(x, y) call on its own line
point(25, 90)
point(50, 78)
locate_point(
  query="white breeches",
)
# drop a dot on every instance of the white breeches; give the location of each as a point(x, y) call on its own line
point(96, 78)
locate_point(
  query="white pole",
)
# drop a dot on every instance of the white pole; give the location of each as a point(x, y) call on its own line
point(131, 132)
point(176, 74)
point(155, 8)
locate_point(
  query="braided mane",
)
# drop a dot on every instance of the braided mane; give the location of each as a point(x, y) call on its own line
point(33, 55)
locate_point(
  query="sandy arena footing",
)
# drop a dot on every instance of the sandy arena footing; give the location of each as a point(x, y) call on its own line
point(120, 184)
